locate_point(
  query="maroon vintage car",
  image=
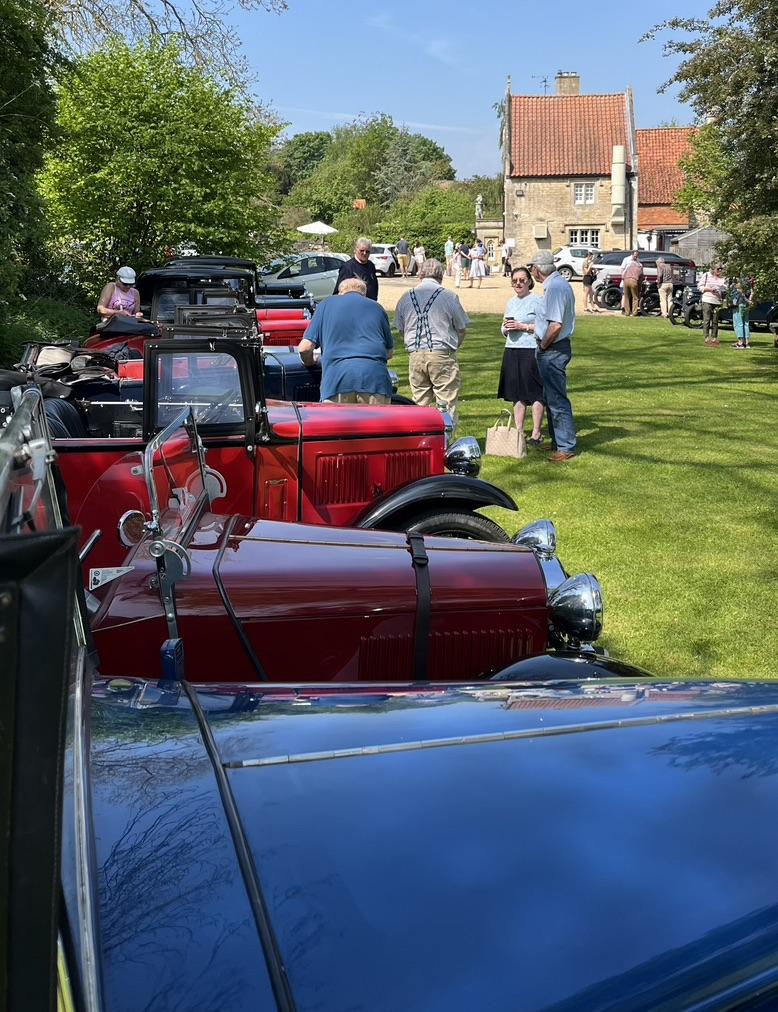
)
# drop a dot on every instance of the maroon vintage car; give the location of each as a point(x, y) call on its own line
point(292, 602)
point(340, 465)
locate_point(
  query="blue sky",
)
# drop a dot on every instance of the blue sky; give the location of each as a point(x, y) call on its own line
point(439, 67)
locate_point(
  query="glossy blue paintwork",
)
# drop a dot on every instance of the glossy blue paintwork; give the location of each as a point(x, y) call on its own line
point(176, 928)
point(574, 845)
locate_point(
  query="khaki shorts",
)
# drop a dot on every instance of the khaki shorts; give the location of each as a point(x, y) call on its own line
point(434, 378)
point(402, 260)
point(358, 398)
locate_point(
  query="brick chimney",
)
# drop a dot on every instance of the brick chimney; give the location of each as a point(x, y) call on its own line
point(568, 82)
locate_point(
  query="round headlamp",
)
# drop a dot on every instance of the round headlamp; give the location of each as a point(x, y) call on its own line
point(463, 456)
point(576, 608)
point(540, 536)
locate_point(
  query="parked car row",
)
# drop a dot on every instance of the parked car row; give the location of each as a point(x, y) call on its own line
point(219, 803)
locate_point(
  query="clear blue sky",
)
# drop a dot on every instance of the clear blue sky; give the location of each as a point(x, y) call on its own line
point(438, 67)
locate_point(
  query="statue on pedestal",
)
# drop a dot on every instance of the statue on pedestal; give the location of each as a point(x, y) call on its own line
point(479, 208)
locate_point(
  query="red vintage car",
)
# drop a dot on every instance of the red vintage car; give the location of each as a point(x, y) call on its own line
point(259, 599)
point(340, 465)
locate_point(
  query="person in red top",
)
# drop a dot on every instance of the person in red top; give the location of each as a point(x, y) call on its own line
point(632, 277)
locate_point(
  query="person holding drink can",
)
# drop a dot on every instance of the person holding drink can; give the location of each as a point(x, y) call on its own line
point(520, 381)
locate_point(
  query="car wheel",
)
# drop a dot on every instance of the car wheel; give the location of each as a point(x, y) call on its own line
point(611, 297)
point(649, 304)
point(391, 272)
point(566, 272)
point(692, 317)
point(674, 316)
point(458, 524)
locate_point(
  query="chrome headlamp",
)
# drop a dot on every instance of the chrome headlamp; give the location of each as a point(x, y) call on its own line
point(576, 609)
point(463, 456)
point(540, 536)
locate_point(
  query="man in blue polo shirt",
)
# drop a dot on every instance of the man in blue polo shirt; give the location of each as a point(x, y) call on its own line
point(356, 341)
point(554, 326)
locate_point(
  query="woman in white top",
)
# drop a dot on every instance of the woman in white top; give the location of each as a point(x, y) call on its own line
point(477, 263)
point(520, 381)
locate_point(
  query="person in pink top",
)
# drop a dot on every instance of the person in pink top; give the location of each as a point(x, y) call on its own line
point(120, 297)
point(632, 276)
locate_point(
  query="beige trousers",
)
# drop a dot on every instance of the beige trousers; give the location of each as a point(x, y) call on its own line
point(665, 297)
point(434, 379)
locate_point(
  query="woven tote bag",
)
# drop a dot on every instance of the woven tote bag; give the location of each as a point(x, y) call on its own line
point(505, 440)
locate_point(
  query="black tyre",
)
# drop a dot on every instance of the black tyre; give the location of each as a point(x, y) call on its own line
point(567, 273)
point(649, 304)
point(458, 524)
point(391, 272)
point(692, 317)
point(675, 315)
point(401, 399)
point(611, 297)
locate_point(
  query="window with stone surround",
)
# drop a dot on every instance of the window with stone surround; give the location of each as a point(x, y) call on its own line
point(583, 193)
point(585, 237)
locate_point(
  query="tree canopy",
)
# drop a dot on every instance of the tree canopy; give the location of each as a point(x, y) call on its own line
point(729, 75)
point(153, 157)
point(26, 123)
point(371, 160)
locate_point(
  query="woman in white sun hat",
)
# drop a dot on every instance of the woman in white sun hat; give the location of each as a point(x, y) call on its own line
point(120, 297)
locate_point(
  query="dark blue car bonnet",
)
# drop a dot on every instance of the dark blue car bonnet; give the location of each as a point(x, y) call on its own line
point(566, 845)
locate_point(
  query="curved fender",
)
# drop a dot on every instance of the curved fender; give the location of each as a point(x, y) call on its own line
point(561, 664)
point(438, 491)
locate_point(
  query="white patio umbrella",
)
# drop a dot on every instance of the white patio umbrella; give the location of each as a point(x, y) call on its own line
point(317, 228)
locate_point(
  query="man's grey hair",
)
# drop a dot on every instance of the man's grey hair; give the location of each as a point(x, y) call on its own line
point(545, 269)
point(352, 285)
point(363, 241)
point(431, 269)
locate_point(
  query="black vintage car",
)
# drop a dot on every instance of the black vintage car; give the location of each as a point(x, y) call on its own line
point(573, 834)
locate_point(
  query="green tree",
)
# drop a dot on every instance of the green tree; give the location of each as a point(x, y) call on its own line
point(297, 158)
point(372, 160)
point(26, 122)
point(729, 75)
point(154, 157)
point(429, 217)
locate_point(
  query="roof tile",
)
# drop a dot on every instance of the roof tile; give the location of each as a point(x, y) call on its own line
point(566, 135)
point(659, 152)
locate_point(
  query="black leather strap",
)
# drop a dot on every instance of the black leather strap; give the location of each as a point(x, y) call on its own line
point(420, 561)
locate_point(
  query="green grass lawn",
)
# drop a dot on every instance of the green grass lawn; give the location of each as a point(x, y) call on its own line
point(672, 501)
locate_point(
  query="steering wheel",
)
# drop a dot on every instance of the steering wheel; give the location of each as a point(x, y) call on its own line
point(212, 412)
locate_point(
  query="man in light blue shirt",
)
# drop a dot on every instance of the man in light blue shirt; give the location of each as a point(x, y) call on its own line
point(448, 249)
point(554, 326)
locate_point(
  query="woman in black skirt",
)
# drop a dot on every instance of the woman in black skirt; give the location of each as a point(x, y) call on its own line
point(520, 381)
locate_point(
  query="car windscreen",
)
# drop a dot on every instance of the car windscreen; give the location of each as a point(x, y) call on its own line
point(208, 381)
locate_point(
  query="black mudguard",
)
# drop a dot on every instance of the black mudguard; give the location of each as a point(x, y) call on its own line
point(440, 491)
point(563, 664)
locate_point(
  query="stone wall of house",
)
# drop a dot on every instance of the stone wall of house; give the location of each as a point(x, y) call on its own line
point(550, 202)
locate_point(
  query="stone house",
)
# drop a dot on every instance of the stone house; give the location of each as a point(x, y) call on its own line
point(570, 167)
point(659, 151)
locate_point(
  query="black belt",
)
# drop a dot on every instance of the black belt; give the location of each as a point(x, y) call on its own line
point(420, 561)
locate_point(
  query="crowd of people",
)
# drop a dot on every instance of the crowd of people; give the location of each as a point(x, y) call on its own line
point(353, 335)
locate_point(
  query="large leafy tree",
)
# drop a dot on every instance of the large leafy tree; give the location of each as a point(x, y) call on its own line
point(430, 217)
point(26, 121)
point(154, 156)
point(371, 160)
point(729, 75)
point(297, 158)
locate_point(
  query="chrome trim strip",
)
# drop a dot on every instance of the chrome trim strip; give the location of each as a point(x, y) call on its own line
point(498, 736)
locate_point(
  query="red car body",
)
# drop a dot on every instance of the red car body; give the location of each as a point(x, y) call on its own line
point(337, 465)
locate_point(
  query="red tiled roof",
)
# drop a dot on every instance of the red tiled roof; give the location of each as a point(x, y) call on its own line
point(566, 135)
point(659, 152)
point(652, 217)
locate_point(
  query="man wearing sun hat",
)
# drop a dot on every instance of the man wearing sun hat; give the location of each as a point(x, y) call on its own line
point(554, 326)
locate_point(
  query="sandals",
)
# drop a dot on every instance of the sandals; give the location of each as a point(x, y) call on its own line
point(536, 442)
point(739, 346)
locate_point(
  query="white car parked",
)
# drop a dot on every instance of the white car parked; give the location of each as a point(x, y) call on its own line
point(384, 259)
point(569, 260)
point(318, 271)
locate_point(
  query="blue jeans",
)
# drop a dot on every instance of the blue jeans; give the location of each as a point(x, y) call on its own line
point(552, 365)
